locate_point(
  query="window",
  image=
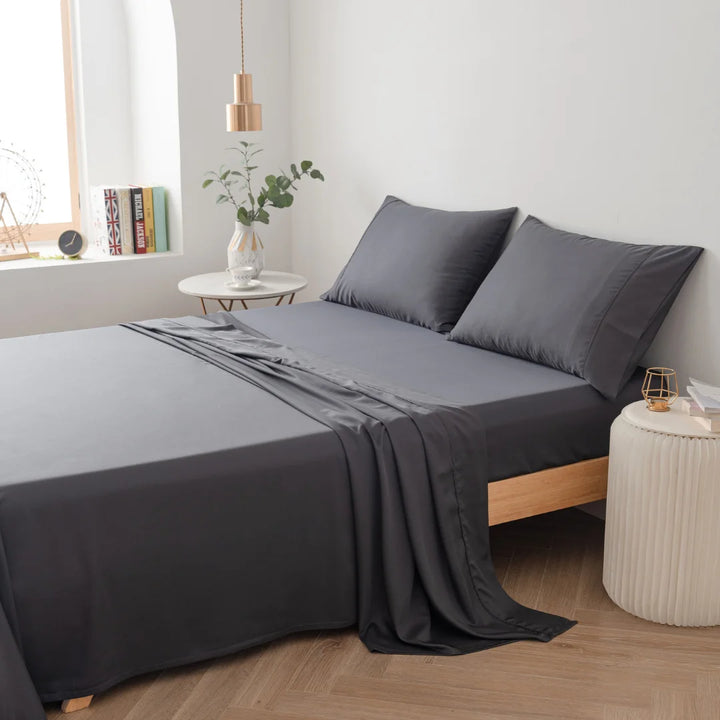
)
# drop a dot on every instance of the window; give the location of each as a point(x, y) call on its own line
point(38, 117)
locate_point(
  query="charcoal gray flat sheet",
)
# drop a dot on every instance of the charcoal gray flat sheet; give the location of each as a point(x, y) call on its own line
point(162, 493)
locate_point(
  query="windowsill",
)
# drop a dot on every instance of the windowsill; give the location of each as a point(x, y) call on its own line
point(48, 251)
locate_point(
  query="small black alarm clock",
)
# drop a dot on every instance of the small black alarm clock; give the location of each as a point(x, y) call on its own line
point(72, 243)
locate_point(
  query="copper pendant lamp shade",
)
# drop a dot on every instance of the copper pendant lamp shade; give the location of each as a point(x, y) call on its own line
point(243, 114)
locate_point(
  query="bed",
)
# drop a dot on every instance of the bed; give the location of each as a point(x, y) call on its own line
point(171, 506)
point(173, 440)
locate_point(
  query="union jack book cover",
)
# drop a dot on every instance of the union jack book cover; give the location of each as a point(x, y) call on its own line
point(105, 228)
point(112, 221)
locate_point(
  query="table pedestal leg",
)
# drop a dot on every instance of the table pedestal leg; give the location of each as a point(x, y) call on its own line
point(227, 305)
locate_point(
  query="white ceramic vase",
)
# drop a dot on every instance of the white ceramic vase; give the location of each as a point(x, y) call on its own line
point(246, 258)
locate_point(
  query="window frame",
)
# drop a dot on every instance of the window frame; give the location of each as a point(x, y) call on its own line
point(51, 231)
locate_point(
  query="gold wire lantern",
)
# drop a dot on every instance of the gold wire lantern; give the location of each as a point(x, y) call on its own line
point(243, 114)
point(660, 388)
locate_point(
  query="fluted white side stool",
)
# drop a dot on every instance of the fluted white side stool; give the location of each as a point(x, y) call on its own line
point(662, 532)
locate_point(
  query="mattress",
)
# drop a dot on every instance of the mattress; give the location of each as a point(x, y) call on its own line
point(107, 398)
point(140, 484)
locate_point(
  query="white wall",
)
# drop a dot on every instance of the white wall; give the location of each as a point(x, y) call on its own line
point(102, 93)
point(598, 117)
point(127, 99)
point(153, 102)
point(141, 139)
point(208, 39)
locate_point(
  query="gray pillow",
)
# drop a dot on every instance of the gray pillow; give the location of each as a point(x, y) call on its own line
point(421, 265)
point(587, 306)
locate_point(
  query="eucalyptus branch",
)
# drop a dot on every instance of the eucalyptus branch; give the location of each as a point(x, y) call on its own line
point(228, 190)
point(221, 179)
point(274, 194)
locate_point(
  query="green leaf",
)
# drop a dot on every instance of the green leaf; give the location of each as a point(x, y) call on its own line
point(243, 143)
point(294, 171)
point(242, 216)
point(283, 182)
point(250, 168)
point(270, 180)
point(305, 165)
point(207, 182)
point(283, 200)
point(273, 193)
point(236, 172)
point(263, 216)
point(220, 199)
point(225, 174)
point(317, 175)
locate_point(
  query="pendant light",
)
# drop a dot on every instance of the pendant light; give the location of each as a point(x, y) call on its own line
point(243, 114)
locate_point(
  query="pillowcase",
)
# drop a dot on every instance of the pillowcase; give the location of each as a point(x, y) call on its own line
point(421, 265)
point(587, 306)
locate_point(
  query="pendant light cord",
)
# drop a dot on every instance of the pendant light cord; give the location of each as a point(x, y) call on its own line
point(242, 38)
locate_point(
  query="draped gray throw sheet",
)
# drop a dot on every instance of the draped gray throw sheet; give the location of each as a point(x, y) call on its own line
point(426, 581)
point(418, 488)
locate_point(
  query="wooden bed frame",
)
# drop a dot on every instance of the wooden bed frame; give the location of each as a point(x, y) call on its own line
point(547, 490)
point(512, 499)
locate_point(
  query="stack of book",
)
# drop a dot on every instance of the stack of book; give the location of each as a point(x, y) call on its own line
point(703, 405)
point(129, 219)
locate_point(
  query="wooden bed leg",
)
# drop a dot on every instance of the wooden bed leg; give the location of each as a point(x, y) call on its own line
point(74, 704)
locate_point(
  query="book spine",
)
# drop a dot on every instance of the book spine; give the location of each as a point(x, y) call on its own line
point(149, 220)
point(97, 210)
point(138, 220)
point(112, 220)
point(161, 238)
point(127, 231)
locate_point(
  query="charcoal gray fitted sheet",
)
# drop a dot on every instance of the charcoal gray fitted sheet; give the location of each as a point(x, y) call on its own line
point(249, 495)
point(535, 417)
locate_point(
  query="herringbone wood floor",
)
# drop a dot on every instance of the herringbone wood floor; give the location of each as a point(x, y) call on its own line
point(611, 666)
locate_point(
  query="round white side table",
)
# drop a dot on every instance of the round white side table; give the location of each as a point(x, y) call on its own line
point(214, 286)
point(662, 532)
